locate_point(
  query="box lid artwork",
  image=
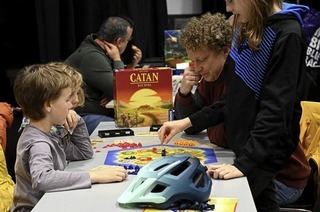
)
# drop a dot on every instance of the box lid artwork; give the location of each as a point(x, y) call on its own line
point(142, 96)
point(173, 51)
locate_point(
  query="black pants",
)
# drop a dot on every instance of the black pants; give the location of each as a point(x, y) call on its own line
point(263, 190)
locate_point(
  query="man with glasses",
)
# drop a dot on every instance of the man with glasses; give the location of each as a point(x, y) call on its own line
point(207, 41)
point(96, 58)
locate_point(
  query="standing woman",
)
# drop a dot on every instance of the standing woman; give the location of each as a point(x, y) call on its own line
point(261, 109)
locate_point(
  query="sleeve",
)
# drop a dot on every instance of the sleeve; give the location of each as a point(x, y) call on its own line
point(78, 144)
point(276, 128)
point(185, 106)
point(44, 175)
point(208, 116)
point(217, 135)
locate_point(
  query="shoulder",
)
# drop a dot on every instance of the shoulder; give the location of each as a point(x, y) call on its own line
point(284, 25)
point(32, 136)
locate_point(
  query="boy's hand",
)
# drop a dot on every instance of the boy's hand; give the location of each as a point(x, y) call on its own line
point(71, 121)
point(108, 174)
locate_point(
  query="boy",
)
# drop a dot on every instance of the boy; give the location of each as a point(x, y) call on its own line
point(44, 94)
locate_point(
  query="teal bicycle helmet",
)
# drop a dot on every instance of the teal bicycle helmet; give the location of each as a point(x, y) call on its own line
point(177, 181)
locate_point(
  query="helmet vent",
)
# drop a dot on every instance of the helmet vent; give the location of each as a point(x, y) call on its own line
point(198, 180)
point(179, 169)
point(158, 188)
point(160, 167)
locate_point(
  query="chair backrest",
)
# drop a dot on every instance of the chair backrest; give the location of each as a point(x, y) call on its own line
point(310, 132)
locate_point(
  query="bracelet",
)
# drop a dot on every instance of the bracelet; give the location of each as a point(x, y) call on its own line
point(182, 95)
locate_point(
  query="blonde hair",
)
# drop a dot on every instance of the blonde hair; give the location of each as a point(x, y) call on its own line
point(77, 82)
point(39, 84)
point(253, 30)
point(207, 32)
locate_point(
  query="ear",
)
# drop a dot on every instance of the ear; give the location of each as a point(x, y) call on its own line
point(47, 107)
point(226, 51)
point(118, 42)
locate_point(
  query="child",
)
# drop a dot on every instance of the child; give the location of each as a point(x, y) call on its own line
point(44, 93)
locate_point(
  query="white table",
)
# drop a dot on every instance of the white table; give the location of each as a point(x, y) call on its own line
point(103, 197)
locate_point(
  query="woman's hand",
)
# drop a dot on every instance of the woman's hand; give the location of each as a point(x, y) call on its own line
point(223, 171)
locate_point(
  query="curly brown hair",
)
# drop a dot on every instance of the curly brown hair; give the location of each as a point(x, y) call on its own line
point(209, 31)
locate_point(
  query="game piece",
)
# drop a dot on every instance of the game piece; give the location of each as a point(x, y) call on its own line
point(185, 142)
point(163, 152)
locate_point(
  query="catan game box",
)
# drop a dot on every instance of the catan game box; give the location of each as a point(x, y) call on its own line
point(142, 96)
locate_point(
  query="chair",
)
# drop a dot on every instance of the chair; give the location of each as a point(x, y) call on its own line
point(310, 132)
point(310, 140)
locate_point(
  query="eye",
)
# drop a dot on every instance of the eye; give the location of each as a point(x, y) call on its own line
point(202, 60)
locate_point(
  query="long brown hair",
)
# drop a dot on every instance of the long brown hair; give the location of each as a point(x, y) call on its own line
point(253, 30)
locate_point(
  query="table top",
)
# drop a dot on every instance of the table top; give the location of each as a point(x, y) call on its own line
point(103, 197)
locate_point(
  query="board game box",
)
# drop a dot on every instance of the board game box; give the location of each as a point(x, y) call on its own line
point(142, 96)
point(173, 51)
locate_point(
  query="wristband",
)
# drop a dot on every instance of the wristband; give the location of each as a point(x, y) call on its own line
point(182, 95)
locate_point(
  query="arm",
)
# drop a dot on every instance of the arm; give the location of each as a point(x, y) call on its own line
point(48, 175)
point(217, 135)
point(47, 164)
point(78, 144)
point(187, 103)
point(208, 116)
point(185, 106)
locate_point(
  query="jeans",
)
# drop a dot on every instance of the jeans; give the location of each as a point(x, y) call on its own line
point(263, 190)
point(285, 194)
point(92, 121)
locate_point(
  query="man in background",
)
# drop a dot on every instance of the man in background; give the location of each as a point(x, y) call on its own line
point(96, 58)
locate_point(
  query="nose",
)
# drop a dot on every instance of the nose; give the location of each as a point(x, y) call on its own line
point(75, 100)
point(70, 105)
point(197, 68)
point(228, 7)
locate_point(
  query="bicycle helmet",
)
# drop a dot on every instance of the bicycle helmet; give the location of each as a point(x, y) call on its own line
point(175, 181)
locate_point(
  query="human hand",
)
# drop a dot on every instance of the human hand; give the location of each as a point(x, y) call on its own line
point(112, 51)
point(71, 121)
point(189, 79)
point(223, 171)
point(104, 101)
point(108, 174)
point(171, 128)
point(137, 55)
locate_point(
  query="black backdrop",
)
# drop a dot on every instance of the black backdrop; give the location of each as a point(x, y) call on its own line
point(38, 31)
point(63, 24)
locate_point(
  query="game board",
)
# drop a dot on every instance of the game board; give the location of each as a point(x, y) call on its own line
point(138, 157)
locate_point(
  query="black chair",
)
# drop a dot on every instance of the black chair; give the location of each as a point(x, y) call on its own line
point(308, 198)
